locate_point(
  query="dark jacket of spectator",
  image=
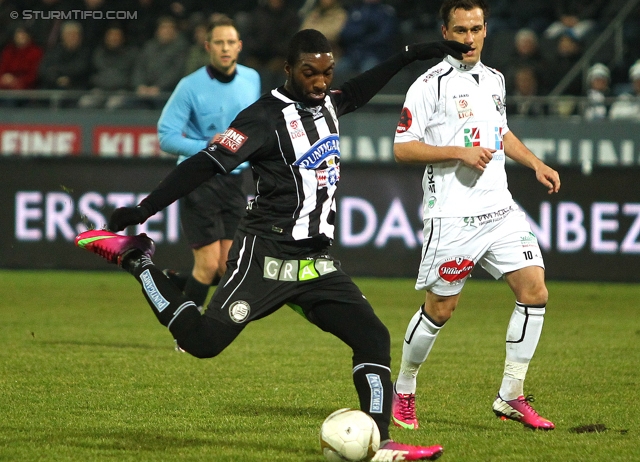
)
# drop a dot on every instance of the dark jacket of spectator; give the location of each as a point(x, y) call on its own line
point(161, 63)
point(67, 65)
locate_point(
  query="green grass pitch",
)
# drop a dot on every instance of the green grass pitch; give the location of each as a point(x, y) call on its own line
point(87, 373)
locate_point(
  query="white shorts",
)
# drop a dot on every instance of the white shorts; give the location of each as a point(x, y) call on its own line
point(500, 242)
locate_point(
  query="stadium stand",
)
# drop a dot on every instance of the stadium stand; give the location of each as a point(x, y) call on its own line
point(609, 34)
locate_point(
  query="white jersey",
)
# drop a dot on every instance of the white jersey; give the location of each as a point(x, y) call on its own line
point(453, 104)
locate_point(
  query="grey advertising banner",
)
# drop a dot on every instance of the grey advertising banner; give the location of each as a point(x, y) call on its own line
point(588, 232)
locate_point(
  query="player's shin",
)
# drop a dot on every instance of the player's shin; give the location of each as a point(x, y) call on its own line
point(523, 333)
point(419, 338)
point(164, 298)
point(374, 387)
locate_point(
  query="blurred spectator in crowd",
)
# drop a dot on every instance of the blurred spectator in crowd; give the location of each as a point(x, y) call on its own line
point(92, 29)
point(417, 21)
point(518, 14)
point(266, 37)
point(198, 55)
point(67, 65)
point(160, 64)
point(526, 53)
point(19, 62)
point(113, 63)
point(576, 16)
point(46, 27)
point(368, 37)
point(7, 23)
point(329, 17)
point(627, 105)
point(567, 53)
point(598, 79)
point(526, 83)
point(143, 27)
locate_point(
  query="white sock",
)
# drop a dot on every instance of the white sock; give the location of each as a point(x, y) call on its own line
point(418, 341)
point(523, 333)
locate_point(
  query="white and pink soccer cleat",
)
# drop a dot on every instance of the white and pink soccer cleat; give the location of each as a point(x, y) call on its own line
point(521, 411)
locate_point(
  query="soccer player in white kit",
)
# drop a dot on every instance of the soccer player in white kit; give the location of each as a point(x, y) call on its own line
point(454, 121)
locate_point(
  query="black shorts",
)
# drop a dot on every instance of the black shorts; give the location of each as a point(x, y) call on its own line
point(263, 275)
point(212, 211)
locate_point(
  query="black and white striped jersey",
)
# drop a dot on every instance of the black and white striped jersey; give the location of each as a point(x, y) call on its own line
point(294, 152)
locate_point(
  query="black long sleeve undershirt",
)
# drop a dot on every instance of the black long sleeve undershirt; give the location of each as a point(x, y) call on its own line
point(189, 174)
point(183, 179)
point(365, 86)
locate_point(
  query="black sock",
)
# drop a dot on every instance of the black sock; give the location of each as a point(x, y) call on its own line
point(374, 387)
point(164, 298)
point(196, 291)
point(179, 279)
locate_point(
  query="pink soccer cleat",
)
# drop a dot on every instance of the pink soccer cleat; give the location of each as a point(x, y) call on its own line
point(113, 247)
point(521, 411)
point(392, 451)
point(403, 410)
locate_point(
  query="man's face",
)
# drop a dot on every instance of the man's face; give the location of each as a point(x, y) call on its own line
point(310, 77)
point(224, 48)
point(467, 27)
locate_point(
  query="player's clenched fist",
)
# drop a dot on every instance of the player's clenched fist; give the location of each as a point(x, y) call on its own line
point(126, 216)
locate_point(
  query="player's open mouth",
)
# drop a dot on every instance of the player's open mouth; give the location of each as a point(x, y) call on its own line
point(316, 95)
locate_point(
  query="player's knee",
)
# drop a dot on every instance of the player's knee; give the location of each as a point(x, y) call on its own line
point(536, 294)
point(200, 350)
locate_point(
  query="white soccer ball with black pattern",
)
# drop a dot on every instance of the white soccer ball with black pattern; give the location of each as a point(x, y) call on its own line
point(349, 434)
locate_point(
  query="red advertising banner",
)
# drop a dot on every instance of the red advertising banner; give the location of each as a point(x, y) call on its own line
point(125, 141)
point(40, 139)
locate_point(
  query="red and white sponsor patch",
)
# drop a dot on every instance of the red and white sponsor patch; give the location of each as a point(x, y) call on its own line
point(405, 120)
point(232, 139)
point(455, 269)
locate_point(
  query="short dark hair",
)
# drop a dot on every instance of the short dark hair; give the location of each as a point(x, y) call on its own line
point(307, 41)
point(451, 5)
point(219, 19)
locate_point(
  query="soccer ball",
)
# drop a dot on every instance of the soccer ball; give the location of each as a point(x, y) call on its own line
point(349, 434)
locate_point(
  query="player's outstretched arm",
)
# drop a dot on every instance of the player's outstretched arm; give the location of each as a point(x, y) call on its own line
point(183, 179)
point(516, 150)
point(365, 86)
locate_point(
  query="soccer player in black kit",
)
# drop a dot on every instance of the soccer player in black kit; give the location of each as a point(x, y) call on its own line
point(280, 254)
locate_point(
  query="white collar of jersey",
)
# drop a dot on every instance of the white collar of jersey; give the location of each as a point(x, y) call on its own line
point(462, 67)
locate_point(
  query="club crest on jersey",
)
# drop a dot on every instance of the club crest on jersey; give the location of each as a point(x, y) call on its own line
point(405, 120)
point(463, 105)
point(455, 269)
point(500, 107)
point(239, 311)
point(232, 139)
point(320, 153)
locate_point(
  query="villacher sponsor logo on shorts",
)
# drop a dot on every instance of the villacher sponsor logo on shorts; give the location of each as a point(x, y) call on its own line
point(455, 269)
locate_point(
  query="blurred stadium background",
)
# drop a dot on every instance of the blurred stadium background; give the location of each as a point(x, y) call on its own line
point(71, 150)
